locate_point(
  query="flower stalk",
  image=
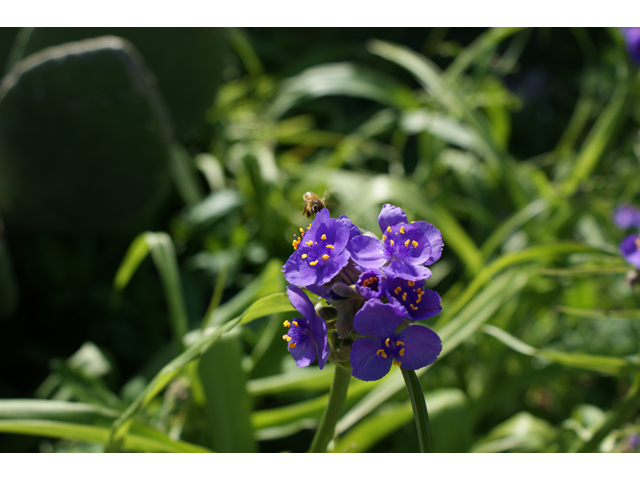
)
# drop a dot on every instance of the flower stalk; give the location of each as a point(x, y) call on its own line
point(420, 414)
point(337, 397)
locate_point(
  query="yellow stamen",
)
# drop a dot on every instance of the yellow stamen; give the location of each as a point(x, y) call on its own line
point(419, 298)
point(391, 243)
point(381, 353)
point(304, 255)
point(309, 227)
point(637, 242)
point(287, 323)
point(386, 342)
point(384, 237)
point(301, 230)
point(315, 262)
point(399, 342)
point(331, 247)
point(411, 283)
point(295, 324)
point(325, 256)
point(419, 291)
point(310, 242)
point(292, 345)
point(295, 244)
point(404, 297)
point(415, 244)
point(412, 307)
point(413, 221)
point(286, 337)
point(406, 244)
point(389, 229)
point(323, 237)
point(397, 362)
point(401, 352)
point(402, 230)
point(397, 291)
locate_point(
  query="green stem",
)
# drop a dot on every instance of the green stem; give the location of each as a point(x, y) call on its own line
point(337, 396)
point(420, 414)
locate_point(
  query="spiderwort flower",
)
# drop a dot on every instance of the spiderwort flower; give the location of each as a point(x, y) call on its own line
point(321, 252)
point(626, 216)
point(630, 249)
point(632, 39)
point(307, 336)
point(404, 250)
point(416, 301)
point(371, 284)
point(412, 348)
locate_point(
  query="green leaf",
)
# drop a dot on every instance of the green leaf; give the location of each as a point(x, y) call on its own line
point(600, 314)
point(82, 422)
point(595, 363)
point(521, 433)
point(184, 175)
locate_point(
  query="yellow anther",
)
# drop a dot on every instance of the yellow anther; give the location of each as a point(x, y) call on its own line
point(304, 255)
point(301, 230)
point(406, 244)
point(637, 242)
point(401, 352)
point(389, 229)
point(386, 342)
point(419, 298)
point(286, 337)
point(323, 237)
point(399, 342)
point(292, 345)
point(309, 227)
point(404, 297)
point(310, 242)
point(397, 290)
point(384, 237)
point(402, 230)
point(413, 221)
point(397, 362)
point(315, 262)
point(295, 324)
point(415, 244)
point(382, 353)
point(412, 307)
point(331, 247)
point(411, 283)
point(287, 323)
point(325, 256)
point(295, 244)
point(391, 243)
point(419, 291)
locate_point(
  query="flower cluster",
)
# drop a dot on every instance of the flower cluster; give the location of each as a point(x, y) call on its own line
point(374, 288)
point(626, 217)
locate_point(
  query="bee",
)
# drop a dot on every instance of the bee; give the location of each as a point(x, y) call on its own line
point(312, 204)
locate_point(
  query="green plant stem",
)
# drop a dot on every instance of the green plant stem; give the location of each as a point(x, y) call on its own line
point(337, 396)
point(420, 414)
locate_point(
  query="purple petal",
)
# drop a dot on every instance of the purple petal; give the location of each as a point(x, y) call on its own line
point(377, 319)
point(297, 270)
point(630, 249)
point(332, 267)
point(412, 245)
point(301, 302)
point(366, 364)
point(632, 39)
point(435, 239)
point(303, 353)
point(321, 341)
point(321, 217)
point(367, 251)
point(402, 269)
point(375, 287)
point(626, 216)
point(353, 229)
point(421, 346)
point(428, 306)
point(390, 216)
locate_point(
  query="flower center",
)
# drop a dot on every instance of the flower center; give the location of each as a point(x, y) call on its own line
point(392, 347)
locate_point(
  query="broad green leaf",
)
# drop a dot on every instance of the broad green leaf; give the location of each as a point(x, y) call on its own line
point(211, 208)
point(184, 176)
point(440, 126)
point(521, 433)
point(303, 379)
point(585, 271)
point(339, 79)
point(163, 253)
point(83, 422)
point(595, 363)
point(449, 419)
point(266, 306)
point(600, 314)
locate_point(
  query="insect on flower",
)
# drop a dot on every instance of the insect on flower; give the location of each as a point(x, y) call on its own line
point(312, 204)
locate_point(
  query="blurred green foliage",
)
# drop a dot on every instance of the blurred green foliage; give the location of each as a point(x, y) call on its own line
point(515, 143)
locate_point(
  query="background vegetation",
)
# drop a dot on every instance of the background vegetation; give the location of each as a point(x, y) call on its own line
point(151, 184)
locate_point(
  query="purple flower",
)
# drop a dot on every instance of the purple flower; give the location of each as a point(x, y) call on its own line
point(371, 358)
point(307, 336)
point(418, 303)
point(626, 216)
point(371, 284)
point(405, 248)
point(630, 249)
point(632, 39)
point(321, 252)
